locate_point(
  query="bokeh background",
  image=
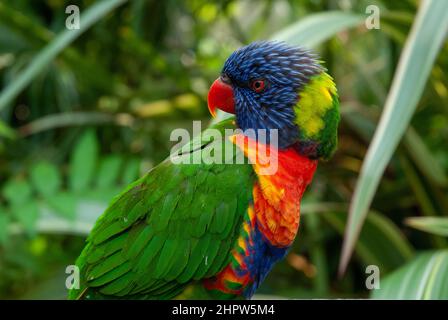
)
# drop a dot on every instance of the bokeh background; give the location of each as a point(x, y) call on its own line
point(99, 114)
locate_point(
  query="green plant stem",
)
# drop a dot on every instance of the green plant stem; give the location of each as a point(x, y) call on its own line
point(74, 119)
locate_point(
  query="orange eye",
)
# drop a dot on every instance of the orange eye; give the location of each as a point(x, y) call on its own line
point(257, 85)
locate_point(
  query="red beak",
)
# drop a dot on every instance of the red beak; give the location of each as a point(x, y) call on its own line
point(220, 96)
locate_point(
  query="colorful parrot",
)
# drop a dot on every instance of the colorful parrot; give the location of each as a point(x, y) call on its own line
point(213, 230)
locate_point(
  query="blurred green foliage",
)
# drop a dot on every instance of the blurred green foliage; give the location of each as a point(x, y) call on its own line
point(101, 113)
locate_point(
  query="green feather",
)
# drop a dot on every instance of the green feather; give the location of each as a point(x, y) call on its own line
point(175, 225)
point(119, 282)
point(221, 260)
point(207, 261)
point(111, 275)
point(108, 232)
point(106, 249)
point(149, 253)
point(169, 204)
point(106, 265)
point(167, 255)
point(139, 239)
point(180, 261)
point(196, 258)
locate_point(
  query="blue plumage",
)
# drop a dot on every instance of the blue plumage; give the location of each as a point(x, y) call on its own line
point(285, 70)
point(262, 261)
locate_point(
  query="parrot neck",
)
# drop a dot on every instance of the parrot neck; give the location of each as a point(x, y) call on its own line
point(277, 197)
point(278, 191)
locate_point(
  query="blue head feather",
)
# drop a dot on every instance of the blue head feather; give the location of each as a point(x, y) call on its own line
point(285, 70)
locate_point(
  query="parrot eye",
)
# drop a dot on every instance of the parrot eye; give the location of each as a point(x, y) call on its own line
point(257, 85)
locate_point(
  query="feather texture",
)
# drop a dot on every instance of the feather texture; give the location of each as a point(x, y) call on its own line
point(173, 226)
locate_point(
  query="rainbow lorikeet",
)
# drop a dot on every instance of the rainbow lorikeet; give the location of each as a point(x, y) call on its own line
point(215, 229)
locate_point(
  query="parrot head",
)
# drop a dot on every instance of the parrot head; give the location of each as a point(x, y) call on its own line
point(271, 85)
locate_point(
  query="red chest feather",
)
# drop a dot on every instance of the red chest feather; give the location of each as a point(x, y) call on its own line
point(278, 192)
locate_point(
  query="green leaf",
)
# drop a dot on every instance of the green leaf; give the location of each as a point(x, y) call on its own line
point(315, 29)
point(423, 158)
point(317, 254)
point(108, 172)
point(64, 204)
point(26, 214)
point(67, 119)
point(83, 162)
point(416, 61)
point(17, 191)
point(4, 223)
point(60, 42)
point(434, 225)
point(45, 178)
point(398, 17)
point(380, 243)
point(425, 277)
point(6, 131)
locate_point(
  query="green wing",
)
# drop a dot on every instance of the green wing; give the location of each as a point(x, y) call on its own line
point(175, 225)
